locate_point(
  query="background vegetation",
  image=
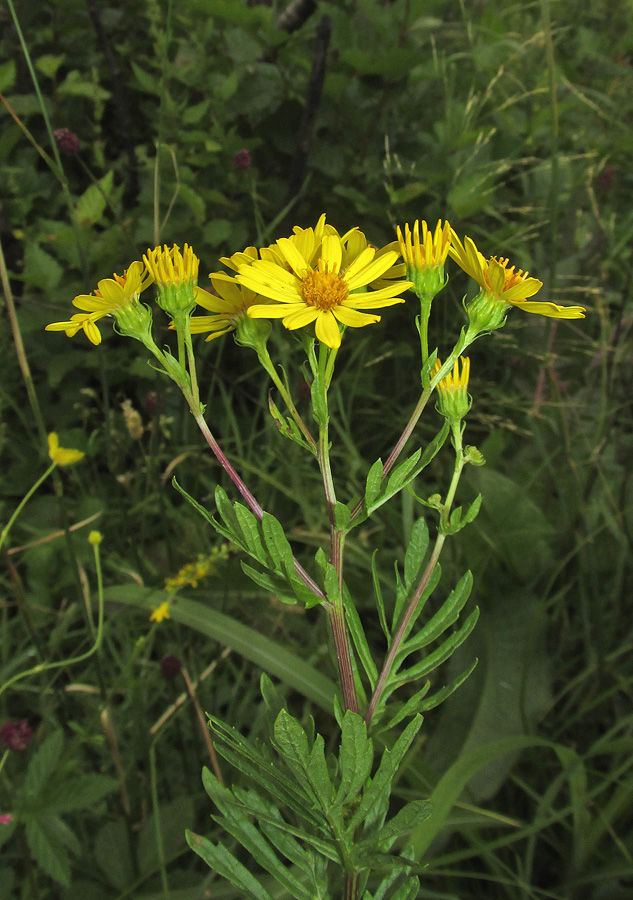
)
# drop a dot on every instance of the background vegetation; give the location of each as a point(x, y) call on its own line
point(512, 120)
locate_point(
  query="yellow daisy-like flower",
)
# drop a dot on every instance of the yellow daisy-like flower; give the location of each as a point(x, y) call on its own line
point(116, 296)
point(170, 266)
point(504, 283)
point(61, 455)
point(160, 612)
point(427, 251)
point(453, 400)
point(424, 256)
point(176, 276)
point(317, 288)
point(228, 309)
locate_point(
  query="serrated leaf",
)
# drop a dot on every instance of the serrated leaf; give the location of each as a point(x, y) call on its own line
point(356, 756)
point(291, 741)
point(319, 775)
point(236, 823)
point(276, 542)
point(380, 786)
point(331, 583)
point(42, 765)
point(250, 529)
point(405, 820)
point(248, 759)
point(220, 860)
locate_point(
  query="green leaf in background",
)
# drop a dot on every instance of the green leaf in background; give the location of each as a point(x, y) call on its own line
point(40, 268)
point(114, 855)
point(92, 203)
point(42, 765)
point(269, 655)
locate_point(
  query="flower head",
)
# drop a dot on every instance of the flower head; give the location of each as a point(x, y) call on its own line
point(117, 296)
point(61, 455)
point(16, 736)
point(424, 256)
point(160, 612)
point(452, 391)
point(501, 282)
point(6, 819)
point(228, 308)
point(176, 276)
point(307, 278)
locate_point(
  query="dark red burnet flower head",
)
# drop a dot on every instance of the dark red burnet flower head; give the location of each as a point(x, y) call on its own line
point(170, 666)
point(67, 141)
point(242, 160)
point(16, 735)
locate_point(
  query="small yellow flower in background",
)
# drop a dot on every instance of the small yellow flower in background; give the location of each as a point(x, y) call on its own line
point(192, 573)
point(452, 391)
point(160, 612)
point(61, 455)
point(309, 283)
point(228, 308)
point(424, 256)
point(95, 538)
point(503, 283)
point(116, 296)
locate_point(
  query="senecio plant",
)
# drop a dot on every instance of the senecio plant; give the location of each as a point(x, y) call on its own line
point(317, 824)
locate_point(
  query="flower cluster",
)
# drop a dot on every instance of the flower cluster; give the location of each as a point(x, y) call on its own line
point(316, 276)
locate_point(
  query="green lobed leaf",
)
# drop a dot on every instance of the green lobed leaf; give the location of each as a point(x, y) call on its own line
point(446, 615)
point(380, 786)
point(47, 849)
point(411, 707)
point(42, 765)
point(356, 755)
point(249, 760)
point(406, 819)
point(443, 652)
point(291, 742)
point(237, 824)
point(222, 861)
point(81, 792)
